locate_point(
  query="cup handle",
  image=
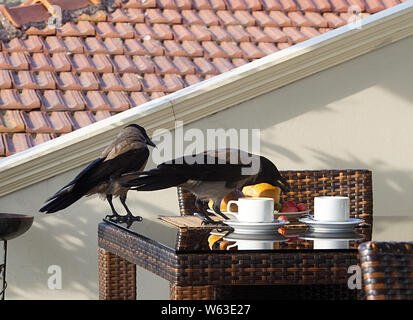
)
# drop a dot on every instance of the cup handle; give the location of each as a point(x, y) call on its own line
point(229, 205)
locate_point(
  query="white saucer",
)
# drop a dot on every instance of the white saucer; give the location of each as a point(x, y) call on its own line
point(330, 226)
point(255, 227)
point(270, 237)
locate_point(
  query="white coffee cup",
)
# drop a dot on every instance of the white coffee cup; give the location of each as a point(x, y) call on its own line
point(253, 209)
point(332, 208)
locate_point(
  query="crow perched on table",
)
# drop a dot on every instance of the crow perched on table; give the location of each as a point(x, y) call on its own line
point(214, 174)
point(128, 152)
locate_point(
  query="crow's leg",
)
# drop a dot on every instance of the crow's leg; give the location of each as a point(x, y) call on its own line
point(204, 214)
point(217, 209)
point(129, 218)
point(115, 217)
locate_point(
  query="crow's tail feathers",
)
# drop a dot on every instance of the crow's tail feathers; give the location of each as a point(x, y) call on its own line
point(61, 201)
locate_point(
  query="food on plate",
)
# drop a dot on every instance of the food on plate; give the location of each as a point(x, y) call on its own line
point(290, 206)
point(264, 190)
point(234, 195)
point(282, 231)
point(212, 239)
point(302, 207)
point(224, 244)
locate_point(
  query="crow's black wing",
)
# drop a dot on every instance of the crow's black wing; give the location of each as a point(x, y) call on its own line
point(98, 171)
point(201, 167)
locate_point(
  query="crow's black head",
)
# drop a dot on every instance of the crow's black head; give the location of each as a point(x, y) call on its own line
point(269, 173)
point(143, 132)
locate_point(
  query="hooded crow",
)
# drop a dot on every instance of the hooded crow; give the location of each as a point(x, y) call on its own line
point(128, 152)
point(210, 175)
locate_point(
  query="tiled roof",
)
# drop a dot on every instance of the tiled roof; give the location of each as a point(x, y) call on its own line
point(111, 56)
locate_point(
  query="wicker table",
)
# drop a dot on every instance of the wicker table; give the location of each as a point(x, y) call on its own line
point(293, 269)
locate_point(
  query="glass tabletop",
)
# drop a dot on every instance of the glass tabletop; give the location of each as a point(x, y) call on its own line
point(226, 238)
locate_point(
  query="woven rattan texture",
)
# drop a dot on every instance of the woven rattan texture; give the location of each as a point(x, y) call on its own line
point(117, 277)
point(307, 184)
point(184, 269)
point(191, 292)
point(387, 269)
point(287, 292)
point(153, 258)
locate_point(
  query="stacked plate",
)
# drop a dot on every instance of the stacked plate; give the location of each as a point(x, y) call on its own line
point(253, 228)
point(318, 226)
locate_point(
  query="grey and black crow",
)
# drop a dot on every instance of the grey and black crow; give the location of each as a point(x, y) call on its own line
point(210, 175)
point(128, 152)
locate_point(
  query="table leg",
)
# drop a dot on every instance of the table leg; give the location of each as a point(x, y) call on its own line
point(191, 292)
point(117, 277)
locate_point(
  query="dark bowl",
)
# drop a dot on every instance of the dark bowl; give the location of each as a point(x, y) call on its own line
point(13, 225)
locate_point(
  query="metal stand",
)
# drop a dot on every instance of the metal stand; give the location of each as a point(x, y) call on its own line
point(3, 272)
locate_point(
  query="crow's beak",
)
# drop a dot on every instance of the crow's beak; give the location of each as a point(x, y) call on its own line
point(150, 143)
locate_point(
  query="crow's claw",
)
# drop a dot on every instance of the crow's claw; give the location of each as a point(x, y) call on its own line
point(128, 219)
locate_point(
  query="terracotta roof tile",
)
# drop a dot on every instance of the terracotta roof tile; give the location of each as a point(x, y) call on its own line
point(281, 18)
point(56, 100)
point(134, 47)
point(191, 79)
point(42, 137)
point(294, 34)
point(56, 80)
point(272, 5)
point(201, 33)
point(164, 65)
point(173, 82)
point(61, 123)
point(267, 47)
point(181, 32)
point(212, 50)
point(172, 16)
point(237, 5)
point(317, 19)
point(222, 64)
point(13, 99)
point(13, 61)
point(31, 80)
point(201, 4)
point(152, 82)
point(298, 19)
point(184, 65)
point(5, 79)
point(238, 33)
point(209, 17)
point(227, 18)
point(323, 5)
point(204, 66)
point(251, 51)
point(11, 121)
point(183, 4)
point(82, 119)
point(231, 49)
point(138, 98)
point(306, 5)
point(191, 17)
point(244, 18)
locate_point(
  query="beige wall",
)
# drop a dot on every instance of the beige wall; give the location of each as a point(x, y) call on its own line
point(356, 115)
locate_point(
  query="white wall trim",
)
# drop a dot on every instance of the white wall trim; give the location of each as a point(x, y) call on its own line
point(205, 98)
